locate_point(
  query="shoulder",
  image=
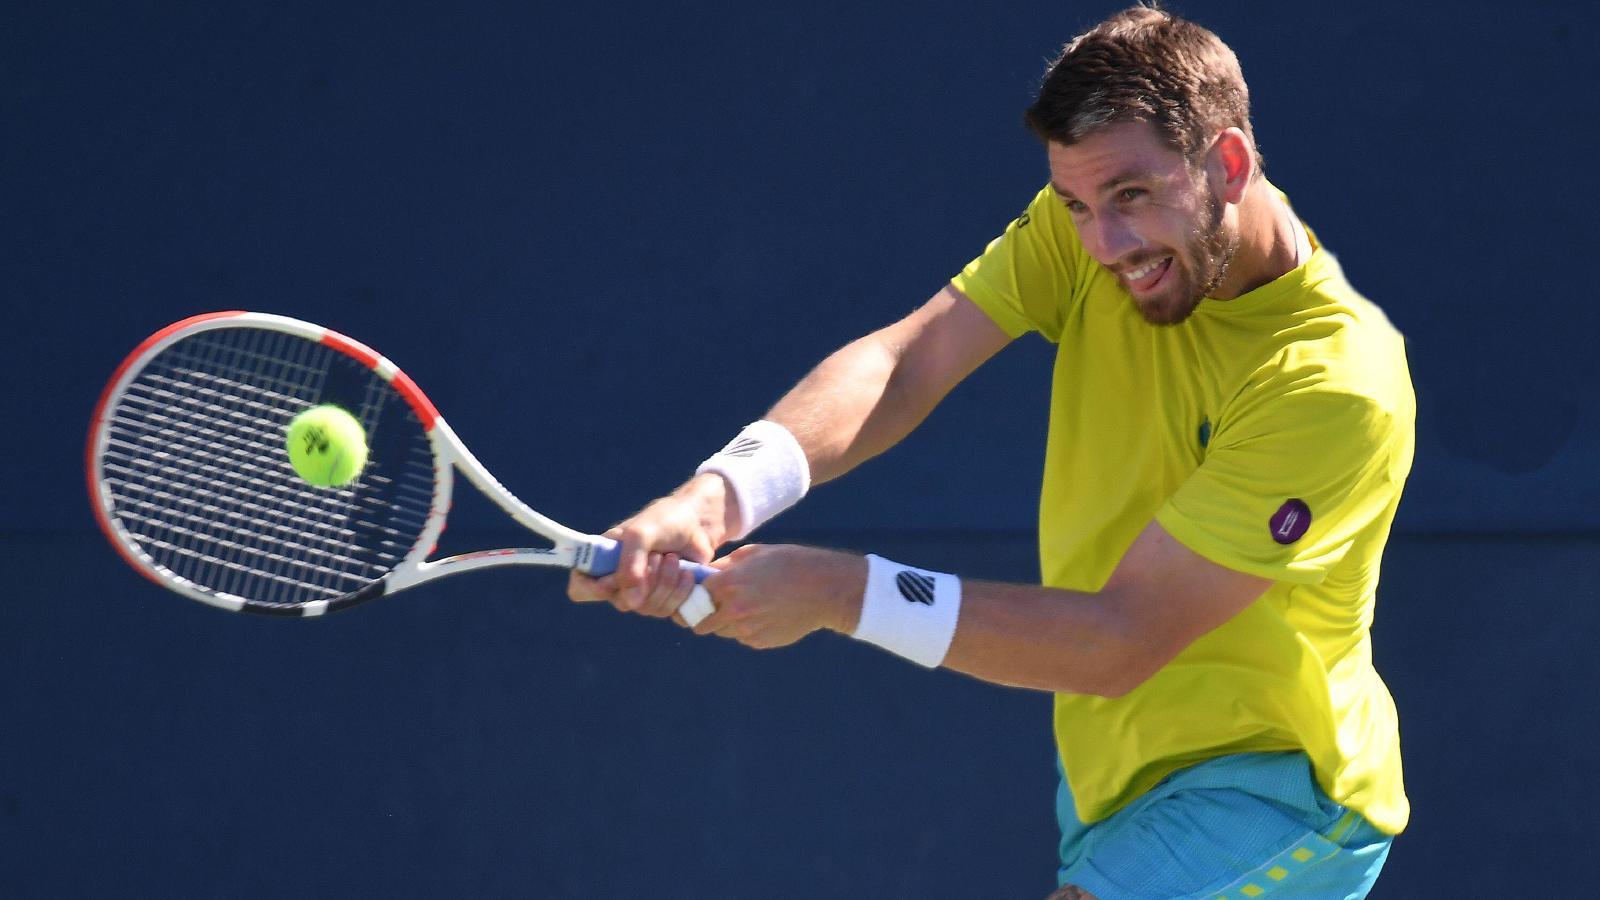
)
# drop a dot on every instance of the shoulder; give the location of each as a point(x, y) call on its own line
point(1330, 344)
point(1027, 274)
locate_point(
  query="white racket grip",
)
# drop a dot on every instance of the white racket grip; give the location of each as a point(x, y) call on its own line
point(697, 607)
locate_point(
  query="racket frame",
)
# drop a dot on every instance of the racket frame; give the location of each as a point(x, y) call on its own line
point(570, 548)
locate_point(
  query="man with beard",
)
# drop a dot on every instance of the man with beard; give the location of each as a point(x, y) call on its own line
point(1231, 425)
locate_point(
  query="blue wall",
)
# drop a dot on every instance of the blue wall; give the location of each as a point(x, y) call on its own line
point(602, 238)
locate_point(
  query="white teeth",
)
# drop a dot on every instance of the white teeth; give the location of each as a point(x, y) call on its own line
point(1144, 270)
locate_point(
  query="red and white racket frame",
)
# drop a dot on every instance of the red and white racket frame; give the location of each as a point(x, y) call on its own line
point(592, 554)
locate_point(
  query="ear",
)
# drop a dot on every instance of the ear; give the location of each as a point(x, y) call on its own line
point(1231, 165)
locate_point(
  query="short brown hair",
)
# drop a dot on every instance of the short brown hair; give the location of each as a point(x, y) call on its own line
point(1144, 65)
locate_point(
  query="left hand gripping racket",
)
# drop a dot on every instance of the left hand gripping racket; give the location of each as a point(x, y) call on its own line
point(191, 482)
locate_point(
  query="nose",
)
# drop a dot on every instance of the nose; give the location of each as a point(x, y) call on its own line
point(1114, 239)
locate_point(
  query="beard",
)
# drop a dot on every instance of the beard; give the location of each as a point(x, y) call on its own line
point(1197, 270)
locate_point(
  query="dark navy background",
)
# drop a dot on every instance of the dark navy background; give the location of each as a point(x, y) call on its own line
point(604, 236)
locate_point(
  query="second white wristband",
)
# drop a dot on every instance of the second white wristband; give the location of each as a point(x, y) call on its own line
point(909, 612)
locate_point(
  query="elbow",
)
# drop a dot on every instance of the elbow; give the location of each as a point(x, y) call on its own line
point(1123, 677)
point(1128, 657)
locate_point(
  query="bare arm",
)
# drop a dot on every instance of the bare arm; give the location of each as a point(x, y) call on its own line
point(874, 391)
point(1161, 598)
point(857, 403)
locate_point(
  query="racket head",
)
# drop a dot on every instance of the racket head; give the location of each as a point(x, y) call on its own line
point(190, 481)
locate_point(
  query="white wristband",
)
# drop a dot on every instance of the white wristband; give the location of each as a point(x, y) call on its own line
point(909, 611)
point(767, 471)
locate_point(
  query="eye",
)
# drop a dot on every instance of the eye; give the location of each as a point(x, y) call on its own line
point(1075, 207)
point(1130, 193)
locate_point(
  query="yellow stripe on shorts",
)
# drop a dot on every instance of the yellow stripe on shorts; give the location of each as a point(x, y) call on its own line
point(1281, 869)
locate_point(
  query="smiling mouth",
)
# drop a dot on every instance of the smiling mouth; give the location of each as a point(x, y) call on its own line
point(1148, 275)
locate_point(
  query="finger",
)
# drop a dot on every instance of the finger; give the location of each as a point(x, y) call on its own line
point(586, 589)
point(672, 586)
point(654, 592)
point(739, 555)
point(699, 548)
point(683, 590)
point(634, 565)
point(582, 588)
point(636, 598)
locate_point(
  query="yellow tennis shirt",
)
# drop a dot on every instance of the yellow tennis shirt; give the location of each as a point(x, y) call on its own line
point(1271, 434)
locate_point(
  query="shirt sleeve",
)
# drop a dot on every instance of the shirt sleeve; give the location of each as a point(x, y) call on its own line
point(1293, 477)
point(1028, 275)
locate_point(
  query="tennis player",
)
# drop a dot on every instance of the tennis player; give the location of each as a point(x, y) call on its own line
point(1231, 425)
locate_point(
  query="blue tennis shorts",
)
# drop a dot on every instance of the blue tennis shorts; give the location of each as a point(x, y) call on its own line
point(1231, 828)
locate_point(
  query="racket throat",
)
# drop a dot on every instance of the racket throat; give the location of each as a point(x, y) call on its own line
point(596, 556)
point(480, 559)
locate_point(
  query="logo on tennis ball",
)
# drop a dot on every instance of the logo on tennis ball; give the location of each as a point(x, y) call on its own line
point(315, 440)
point(327, 446)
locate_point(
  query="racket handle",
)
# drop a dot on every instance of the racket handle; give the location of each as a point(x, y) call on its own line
point(607, 553)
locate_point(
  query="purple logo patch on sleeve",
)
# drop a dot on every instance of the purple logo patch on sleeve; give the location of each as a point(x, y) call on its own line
point(1290, 522)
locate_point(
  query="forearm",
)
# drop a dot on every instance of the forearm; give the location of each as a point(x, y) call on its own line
point(868, 395)
point(1048, 639)
point(1010, 634)
point(848, 409)
point(854, 405)
point(1036, 637)
point(1161, 598)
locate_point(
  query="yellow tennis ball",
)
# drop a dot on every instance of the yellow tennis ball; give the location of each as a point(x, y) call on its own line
point(327, 446)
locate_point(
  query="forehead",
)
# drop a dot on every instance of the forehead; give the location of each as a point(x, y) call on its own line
point(1114, 153)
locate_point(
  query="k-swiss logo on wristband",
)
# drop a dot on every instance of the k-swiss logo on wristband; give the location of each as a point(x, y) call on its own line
point(742, 447)
point(915, 587)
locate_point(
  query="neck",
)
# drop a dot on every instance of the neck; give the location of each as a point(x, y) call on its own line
point(1268, 244)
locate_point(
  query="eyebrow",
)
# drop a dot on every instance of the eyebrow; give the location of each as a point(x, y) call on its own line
point(1108, 185)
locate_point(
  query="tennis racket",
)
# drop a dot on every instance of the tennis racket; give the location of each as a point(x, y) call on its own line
point(191, 481)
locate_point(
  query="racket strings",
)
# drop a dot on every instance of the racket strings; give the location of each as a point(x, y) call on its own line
point(199, 479)
point(271, 377)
